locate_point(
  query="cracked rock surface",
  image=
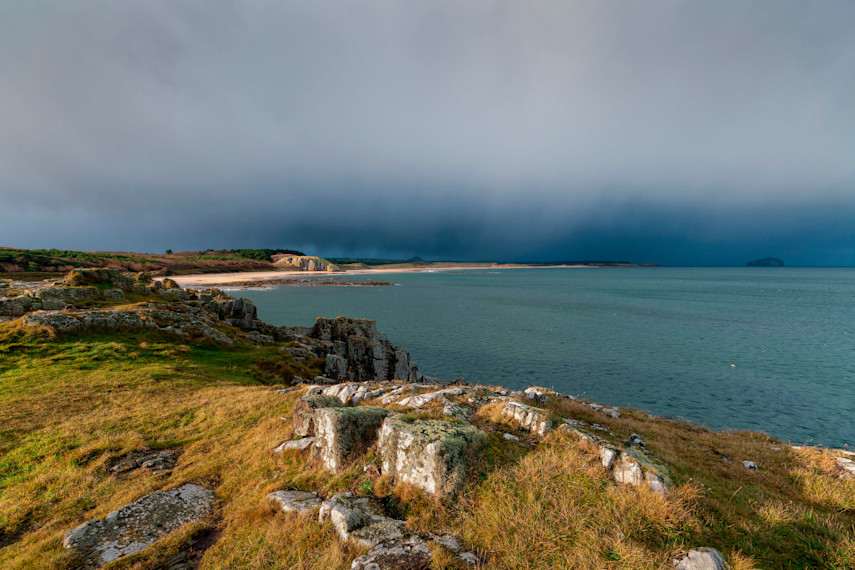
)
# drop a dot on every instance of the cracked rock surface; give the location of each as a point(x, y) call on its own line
point(139, 524)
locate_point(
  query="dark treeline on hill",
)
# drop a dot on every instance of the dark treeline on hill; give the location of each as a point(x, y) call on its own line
point(209, 261)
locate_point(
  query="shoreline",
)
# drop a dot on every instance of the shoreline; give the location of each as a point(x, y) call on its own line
point(260, 277)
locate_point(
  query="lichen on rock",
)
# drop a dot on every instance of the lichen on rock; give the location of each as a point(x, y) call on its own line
point(139, 524)
point(430, 454)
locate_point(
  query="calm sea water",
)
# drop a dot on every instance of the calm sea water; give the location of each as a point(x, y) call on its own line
point(770, 349)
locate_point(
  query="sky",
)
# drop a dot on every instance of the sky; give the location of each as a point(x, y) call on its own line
point(655, 131)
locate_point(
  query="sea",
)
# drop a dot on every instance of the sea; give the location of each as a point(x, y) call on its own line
point(766, 349)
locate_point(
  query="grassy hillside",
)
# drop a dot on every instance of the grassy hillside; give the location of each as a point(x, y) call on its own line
point(55, 261)
point(71, 406)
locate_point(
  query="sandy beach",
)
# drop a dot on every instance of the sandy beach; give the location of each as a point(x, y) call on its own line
point(226, 279)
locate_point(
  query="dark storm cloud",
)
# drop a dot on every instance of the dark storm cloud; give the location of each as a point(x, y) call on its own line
point(660, 131)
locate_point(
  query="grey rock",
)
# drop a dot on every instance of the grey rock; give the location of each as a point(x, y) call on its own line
point(510, 437)
point(345, 431)
point(538, 394)
point(749, 464)
point(155, 461)
point(360, 521)
point(845, 466)
point(335, 367)
point(369, 354)
point(422, 399)
point(410, 553)
point(295, 445)
point(16, 306)
point(304, 412)
point(701, 559)
point(430, 454)
point(55, 298)
point(627, 470)
point(535, 420)
point(611, 412)
point(113, 295)
point(139, 524)
point(295, 501)
point(655, 482)
point(607, 456)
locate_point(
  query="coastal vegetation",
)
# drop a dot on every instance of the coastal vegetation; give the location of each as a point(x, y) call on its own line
point(55, 261)
point(76, 405)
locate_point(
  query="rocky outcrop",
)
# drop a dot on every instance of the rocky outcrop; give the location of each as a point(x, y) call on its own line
point(305, 263)
point(363, 522)
point(139, 524)
point(354, 350)
point(304, 412)
point(194, 323)
point(360, 521)
point(535, 420)
point(430, 454)
point(341, 432)
point(634, 465)
point(189, 314)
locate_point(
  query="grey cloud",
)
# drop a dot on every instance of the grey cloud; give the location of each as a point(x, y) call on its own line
point(469, 130)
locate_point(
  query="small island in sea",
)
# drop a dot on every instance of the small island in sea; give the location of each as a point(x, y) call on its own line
point(146, 425)
point(766, 262)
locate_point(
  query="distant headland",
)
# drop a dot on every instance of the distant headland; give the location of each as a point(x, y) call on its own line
point(43, 263)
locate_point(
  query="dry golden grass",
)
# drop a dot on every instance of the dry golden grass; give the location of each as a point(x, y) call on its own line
point(68, 407)
point(555, 509)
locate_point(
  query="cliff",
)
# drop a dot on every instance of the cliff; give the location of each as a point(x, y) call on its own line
point(305, 263)
point(148, 426)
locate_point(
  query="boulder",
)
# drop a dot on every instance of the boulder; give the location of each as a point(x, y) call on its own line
point(343, 431)
point(846, 467)
point(360, 521)
point(295, 501)
point(83, 276)
point(16, 306)
point(538, 394)
point(607, 456)
point(627, 470)
point(139, 524)
point(701, 559)
point(430, 454)
point(115, 295)
point(55, 298)
point(535, 420)
point(304, 412)
point(296, 445)
point(410, 553)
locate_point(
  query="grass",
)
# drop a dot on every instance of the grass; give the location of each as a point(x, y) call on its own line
point(71, 405)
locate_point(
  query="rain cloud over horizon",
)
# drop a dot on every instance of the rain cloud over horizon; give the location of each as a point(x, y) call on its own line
point(660, 131)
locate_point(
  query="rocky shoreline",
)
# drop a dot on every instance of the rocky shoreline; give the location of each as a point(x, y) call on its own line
point(368, 404)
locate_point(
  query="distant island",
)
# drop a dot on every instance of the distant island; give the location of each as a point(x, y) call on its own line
point(766, 262)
